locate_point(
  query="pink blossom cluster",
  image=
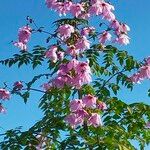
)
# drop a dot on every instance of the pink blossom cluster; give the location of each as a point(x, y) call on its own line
point(143, 73)
point(23, 37)
point(73, 73)
point(65, 31)
point(4, 95)
point(83, 109)
point(53, 54)
point(96, 7)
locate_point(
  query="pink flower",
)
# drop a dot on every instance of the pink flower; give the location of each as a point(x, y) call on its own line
point(46, 86)
point(76, 105)
point(72, 51)
point(123, 39)
point(72, 64)
point(51, 3)
point(124, 28)
point(107, 7)
point(2, 109)
point(89, 101)
point(83, 44)
point(96, 9)
point(115, 24)
point(24, 34)
point(74, 120)
point(101, 105)
point(63, 7)
point(51, 53)
point(20, 45)
point(145, 72)
point(82, 113)
point(65, 31)
point(4, 94)
point(18, 85)
point(106, 36)
point(83, 67)
point(108, 16)
point(76, 9)
point(84, 16)
point(63, 69)
point(94, 120)
point(135, 78)
point(87, 30)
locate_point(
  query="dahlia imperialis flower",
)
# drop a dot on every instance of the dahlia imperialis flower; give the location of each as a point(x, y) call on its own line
point(76, 9)
point(51, 54)
point(95, 120)
point(82, 44)
point(76, 105)
point(23, 37)
point(62, 7)
point(80, 111)
point(89, 101)
point(106, 36)
point(18, 85)
point(143, 73)
point(101, 105)
point(4, 94)
point(73, 73)
point(64, 31)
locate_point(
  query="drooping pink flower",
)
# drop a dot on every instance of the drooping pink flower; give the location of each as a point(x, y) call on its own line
point(87, 30)
point(84, 16)
point(4, 94)
point(124, 28)
point(76, 105)
point(63, 7)
point(96, 9)
point(20, 45)
point(83, 67)
point(2, 109)
point(82, 44)
point(18, 85)
point(73, 64)
point(61, 81)
point(145, 72)
point(122, 39)
point(63, 69)
point(24, 34)
point(107, 7)
point(94, 120)
point(108, 16)
point(65, 31)
point(101, 105)
point(89, 101)
point(51, 3)
point(77, 9)
point(106, 36)
point(46, 86)
point(74, 120)
point(51, 54)
point(135, 78)
point(82, 113)
point(71, 50)
point(115, 24)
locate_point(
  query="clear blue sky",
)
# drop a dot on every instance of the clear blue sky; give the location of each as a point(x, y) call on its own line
point(136, 13)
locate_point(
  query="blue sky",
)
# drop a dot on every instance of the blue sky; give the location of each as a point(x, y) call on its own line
point(12, 16)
